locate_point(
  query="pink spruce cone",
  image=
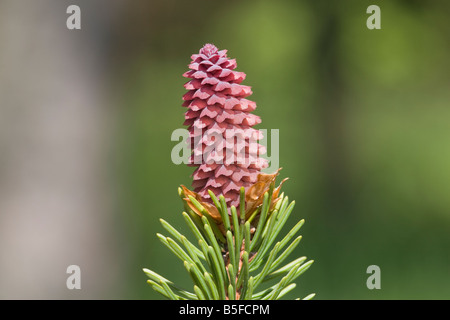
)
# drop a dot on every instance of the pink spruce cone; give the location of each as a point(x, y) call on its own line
point(224, 144)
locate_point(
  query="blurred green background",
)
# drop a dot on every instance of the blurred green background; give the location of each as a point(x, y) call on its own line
point(364, 124)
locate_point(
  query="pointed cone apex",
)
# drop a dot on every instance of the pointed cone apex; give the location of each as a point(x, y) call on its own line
point(208, 50)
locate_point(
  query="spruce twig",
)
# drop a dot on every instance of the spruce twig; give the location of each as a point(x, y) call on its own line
point(235, 213)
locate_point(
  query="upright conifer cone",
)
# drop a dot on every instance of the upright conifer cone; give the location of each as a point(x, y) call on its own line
point(226, 152)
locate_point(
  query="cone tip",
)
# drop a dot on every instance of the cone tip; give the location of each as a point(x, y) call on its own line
point(208, 49)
